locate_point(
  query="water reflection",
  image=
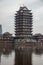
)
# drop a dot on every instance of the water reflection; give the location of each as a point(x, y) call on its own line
point(9, 56)
point(37, 59)
point(6, 54)
point(23, 57)
point(38, 51)
point(0, 57)
point(7, 60)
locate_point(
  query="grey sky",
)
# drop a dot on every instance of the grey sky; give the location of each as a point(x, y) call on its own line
point(8, 9)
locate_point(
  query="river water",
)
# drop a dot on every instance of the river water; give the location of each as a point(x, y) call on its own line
point(8, 58)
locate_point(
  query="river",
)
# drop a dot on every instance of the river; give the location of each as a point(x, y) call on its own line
point(9, 59)
point(12, 57)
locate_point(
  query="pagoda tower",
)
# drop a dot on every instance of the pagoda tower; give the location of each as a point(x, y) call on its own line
point(23, 23)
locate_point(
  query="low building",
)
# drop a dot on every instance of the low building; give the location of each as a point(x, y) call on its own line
point(7, 34)
point(38, 37)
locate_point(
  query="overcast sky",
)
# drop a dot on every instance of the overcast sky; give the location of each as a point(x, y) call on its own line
point(8, 9)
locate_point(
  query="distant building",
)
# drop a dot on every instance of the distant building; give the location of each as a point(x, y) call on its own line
point(0, 30)
point(23, 23)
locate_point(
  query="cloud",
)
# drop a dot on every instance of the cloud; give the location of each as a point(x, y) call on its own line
point(41, 0)
point(38, 20)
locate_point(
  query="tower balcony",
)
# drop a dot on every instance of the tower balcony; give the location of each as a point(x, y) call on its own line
point(23, 25)
point(21, 28)
point(23, 31)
